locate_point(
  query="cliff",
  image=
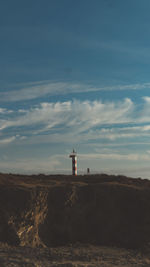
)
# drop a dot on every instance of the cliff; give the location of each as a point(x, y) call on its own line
point(50, 211)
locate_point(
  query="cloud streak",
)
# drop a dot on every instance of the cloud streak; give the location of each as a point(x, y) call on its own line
point(47, 88)
point(31, 165)
point(78, 121)
point(116, 156)
point(7, 140)
point(76, 115)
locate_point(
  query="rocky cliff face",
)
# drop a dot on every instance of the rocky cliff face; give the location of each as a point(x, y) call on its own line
point(60, 210)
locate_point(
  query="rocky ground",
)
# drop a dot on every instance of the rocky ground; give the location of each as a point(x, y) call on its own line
point(72, 256)
point(49, 220)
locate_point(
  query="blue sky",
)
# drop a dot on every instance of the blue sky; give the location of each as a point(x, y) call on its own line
point(75, 74)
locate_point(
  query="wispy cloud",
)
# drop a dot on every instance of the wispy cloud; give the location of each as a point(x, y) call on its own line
point(7, 140)
point(5, 111)
point(42, 89)
point(116, 156)
point(31, 165)
point(117, 133)
point(80, 121)
point(76, 115)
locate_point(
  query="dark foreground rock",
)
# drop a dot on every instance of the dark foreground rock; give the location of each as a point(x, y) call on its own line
point(71, 256)
point(51, 211)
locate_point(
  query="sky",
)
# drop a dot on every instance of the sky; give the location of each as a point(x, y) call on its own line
point(75, 74)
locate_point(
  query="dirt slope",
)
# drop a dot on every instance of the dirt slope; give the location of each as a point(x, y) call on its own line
point(59, 210)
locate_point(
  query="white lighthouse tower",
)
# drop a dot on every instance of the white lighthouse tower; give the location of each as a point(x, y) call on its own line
point(73, 155)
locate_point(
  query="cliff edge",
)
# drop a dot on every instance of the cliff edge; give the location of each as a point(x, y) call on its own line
point(48, 211)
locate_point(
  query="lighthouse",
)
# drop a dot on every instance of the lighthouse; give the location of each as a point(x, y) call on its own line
point(73, 155)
